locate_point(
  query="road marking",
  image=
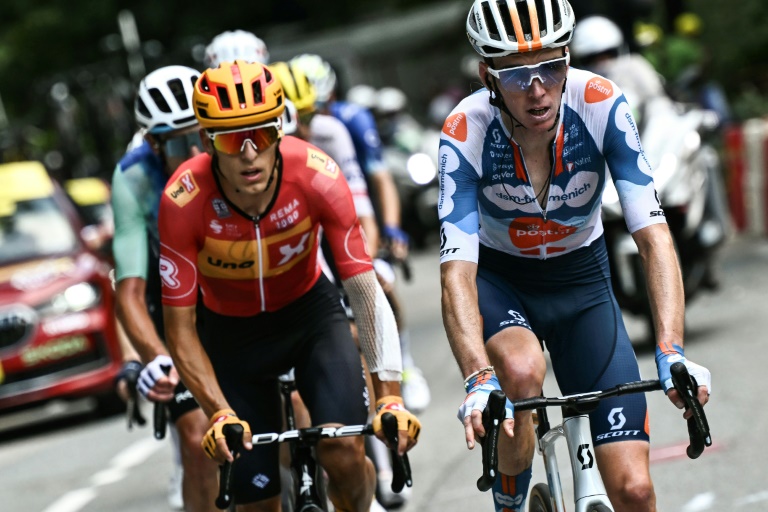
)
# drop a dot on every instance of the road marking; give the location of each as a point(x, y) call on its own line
point(752, 498)
point(675, 451)
point(700, 502)
point(131, 456)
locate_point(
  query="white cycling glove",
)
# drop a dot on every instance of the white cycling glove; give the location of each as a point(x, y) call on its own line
point(478, 390)
point(666, 358)
point(154, 371)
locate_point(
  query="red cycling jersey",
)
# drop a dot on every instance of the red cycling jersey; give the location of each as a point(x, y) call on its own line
point(245, 265)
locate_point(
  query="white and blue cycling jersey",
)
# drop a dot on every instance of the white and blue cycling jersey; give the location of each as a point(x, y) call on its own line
point(365, 135)
point(486, 195)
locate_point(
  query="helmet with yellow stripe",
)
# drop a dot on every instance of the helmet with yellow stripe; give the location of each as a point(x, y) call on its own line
point(296, 85)
point(237, 94)
point(502, 27)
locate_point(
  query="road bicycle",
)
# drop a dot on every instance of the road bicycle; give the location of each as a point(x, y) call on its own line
point(308, 480)
point(589, 491)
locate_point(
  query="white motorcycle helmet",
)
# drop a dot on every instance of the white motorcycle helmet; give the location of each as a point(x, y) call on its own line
point(594, 35)
point(319, 72)
point(164, 100)
point(493, 26)
point(363, 95)
point(390, 100)
point(235, 44)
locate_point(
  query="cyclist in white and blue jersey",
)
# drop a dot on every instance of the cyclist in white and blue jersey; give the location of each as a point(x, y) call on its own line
point(169, 135)
point(523, 164)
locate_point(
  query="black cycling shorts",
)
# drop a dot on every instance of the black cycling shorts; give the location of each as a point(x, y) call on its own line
point(567, 301)
point(312, 335)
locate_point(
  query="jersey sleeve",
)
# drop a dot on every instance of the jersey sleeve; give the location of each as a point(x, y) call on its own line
point(630, 170)
point(130, 245)
point(365, 126)
point(459, 160)
point(332, 200)
point(178, 241)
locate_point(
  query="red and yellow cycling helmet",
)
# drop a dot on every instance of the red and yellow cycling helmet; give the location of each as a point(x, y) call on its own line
point(237, 94)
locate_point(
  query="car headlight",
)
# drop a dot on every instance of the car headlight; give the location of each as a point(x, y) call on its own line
point(421, 168)
point(78, 297)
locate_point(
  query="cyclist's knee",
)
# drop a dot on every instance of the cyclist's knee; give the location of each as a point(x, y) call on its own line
point(342, 456)
point(521, 378)
point(635, 494)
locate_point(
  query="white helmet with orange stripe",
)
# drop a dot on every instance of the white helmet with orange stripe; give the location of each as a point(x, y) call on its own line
point(501, 27)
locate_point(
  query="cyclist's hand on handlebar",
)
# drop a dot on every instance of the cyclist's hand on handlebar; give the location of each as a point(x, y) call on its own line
point(397, 241)
point(672, 354)
point(214, 443)
point(408, 425)
point(471, 410)
point(158, 379)
point(127, 377)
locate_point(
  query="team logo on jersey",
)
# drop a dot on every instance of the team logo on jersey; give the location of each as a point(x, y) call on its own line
point(456, 126)
point(322, 163)
point(530, 232)
point(183, 189)
point(169, 273)
point(221, 208)
point(228, 259)
point(598, 89)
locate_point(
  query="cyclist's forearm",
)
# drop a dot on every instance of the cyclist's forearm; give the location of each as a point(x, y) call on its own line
point(389, 200)
point(371, 231)
point(664, 281)
point(382, 388)
point(131, 309)
point(461, 315)
point(191, 360)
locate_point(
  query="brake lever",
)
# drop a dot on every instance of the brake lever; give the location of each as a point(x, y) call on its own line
point(401, 466)
point(493, 415)
point(233, 435)
point(698, 426)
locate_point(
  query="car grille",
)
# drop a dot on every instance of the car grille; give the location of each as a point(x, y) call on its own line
point(16, 325)
point(35, 377)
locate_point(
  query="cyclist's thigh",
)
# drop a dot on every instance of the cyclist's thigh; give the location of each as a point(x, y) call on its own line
point(499, 303)
point(591, 352)
point(256, 474)
point(329, 373)
point(624, 465)
point(181, 403)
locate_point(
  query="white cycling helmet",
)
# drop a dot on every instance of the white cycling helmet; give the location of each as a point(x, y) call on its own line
point(319, 72)
point(595, 34)
point(502, 27)
point(164, 100)
point(290, 118)
point(390, 100)
point(363, 95)
point(233, 45)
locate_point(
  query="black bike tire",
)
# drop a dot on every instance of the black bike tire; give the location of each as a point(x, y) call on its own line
point(540, 499)
point(599, 507)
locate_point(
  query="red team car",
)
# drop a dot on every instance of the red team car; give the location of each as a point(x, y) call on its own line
point(57, 325)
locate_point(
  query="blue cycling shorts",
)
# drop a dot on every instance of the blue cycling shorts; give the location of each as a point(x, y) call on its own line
point(568, 303)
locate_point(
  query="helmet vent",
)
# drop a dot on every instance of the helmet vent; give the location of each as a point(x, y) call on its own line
point(240, 93)
point(258, 96)
point(267, 74)
point(159, 100)
point(223, 97)
point(177, 89)
point(490, 21)
point(142, 108)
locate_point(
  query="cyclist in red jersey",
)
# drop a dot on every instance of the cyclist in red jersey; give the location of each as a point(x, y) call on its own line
point(240, 222)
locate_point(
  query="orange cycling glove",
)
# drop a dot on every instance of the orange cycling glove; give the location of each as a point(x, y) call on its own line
point(218, 420)
point(405, 419)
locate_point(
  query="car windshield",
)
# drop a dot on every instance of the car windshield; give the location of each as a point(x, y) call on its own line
point(36, 228)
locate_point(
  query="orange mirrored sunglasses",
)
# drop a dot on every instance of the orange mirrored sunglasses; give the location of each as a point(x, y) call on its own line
point(233, 142)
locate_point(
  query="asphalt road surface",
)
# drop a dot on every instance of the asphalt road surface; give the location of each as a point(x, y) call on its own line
point(61, 458)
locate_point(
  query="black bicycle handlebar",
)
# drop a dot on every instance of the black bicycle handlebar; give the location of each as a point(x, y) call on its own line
point(493, 415)
point(233, 434)
point(698, 426)
point(684, 383)
point(401, 465)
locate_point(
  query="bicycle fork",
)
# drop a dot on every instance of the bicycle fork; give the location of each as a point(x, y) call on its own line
point(588, 488)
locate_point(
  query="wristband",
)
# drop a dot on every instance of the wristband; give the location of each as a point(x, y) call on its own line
point(475, 374)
